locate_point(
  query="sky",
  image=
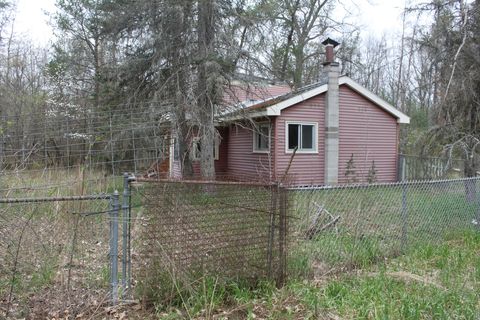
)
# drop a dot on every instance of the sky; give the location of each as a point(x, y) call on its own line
point(375, 16)
point(31, 21)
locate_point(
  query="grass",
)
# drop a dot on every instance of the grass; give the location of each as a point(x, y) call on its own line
point(359, 270)
point(436, 281)
point(365, 269)
point(37, 264)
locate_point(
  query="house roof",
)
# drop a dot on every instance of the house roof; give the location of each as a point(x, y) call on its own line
point(239, 95)
point(273, 105)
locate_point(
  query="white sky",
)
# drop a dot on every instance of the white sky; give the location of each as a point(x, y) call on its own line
point(380, 16)
point(376, 16)
point(31, 21)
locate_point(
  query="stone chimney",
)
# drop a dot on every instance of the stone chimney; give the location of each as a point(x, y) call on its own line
point(332, 70)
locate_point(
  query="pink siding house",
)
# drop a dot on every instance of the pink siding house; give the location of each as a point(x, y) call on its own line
point(331, 132)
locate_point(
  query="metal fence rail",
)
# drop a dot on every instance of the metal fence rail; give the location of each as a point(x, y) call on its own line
point(359, 224)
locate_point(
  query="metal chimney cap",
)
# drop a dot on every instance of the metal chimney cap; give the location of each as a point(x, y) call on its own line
point(330, 41)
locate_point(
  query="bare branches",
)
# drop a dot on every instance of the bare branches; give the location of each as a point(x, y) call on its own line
point(462, 44)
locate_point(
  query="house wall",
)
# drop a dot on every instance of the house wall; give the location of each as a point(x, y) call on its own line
point(176, 170)
point(242, 162)
point(222, 162)
point(370, 134)
point(365, 130)
point(306, 169)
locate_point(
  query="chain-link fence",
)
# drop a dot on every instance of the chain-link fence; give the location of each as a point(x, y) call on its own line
point(60, 253)
point(53, 254)
point(350, 226)
point(193, 229)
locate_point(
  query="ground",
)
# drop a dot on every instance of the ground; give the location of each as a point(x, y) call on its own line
point(437, 281)
point(347, 273)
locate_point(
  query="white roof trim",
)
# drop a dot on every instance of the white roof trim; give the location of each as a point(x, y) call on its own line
point(276, 109)
point(243, 116)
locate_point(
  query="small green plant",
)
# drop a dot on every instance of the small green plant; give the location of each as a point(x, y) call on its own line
point(372, 173)
point(44, 275)
point(350, 173)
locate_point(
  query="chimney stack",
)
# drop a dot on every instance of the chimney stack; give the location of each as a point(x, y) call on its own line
point(329, 44)
point(332, 112)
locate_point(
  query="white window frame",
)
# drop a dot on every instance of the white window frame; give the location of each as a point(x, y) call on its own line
point(315, 137)
point(257, 132)
point(196, 154)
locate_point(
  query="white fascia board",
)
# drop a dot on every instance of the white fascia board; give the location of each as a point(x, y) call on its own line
point(401, 117)
point(243, 116)
point(276, 109)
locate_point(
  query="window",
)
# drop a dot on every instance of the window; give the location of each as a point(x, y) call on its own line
point(197, 148)
point(302, 135)
point(261, 138)
point(176, 150)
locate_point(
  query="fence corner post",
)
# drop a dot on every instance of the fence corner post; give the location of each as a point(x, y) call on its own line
point(404, 216)
point(125, 222)
point(282, 236)
point(114, 246)
point(271, 230)
point(476, 219)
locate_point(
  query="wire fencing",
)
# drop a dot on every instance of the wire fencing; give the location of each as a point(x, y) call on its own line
point(193, 229)
point(50, 248)
point(353, 226)
point(67, 136)
point(429, 168)
point(61, 249)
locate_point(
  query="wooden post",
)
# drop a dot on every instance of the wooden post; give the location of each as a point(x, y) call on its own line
point(282, 236)
point(271, 231)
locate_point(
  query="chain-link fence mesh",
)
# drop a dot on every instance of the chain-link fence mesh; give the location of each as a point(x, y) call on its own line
point(224, 229)
point(350, 226)
point(54, 254)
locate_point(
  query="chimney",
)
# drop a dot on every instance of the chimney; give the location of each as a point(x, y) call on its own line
point(332, 70)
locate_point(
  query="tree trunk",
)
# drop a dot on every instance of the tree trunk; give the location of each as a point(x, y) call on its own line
point(206, 86)
point(298, 73)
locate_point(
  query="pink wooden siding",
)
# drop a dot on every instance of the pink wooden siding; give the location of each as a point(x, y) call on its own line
point(242, 161)
point(176, 170)
point(370, 134)
point(306, 169)
point(221, 163)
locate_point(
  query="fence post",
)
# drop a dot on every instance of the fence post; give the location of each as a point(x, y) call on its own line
point(125, 231)
point(282, 231)
point(404, 216)
point(271, 231)
point(114, 246)
point(476, 220)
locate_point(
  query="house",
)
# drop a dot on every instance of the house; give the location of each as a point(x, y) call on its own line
point(331, 132)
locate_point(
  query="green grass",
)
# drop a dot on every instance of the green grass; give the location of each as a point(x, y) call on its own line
point(434, 281)
point(366, 272)
point(43, 260)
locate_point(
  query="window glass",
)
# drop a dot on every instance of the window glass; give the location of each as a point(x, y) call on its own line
point(176, 150)
point(307, 136)
point(263, 137)
point(293, 136)
point(302, 136)
point(197, 149)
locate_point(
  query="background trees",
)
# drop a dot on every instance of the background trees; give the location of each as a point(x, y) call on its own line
point(118, 69)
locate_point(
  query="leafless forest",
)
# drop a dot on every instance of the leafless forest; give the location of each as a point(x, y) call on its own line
point(118, 70)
